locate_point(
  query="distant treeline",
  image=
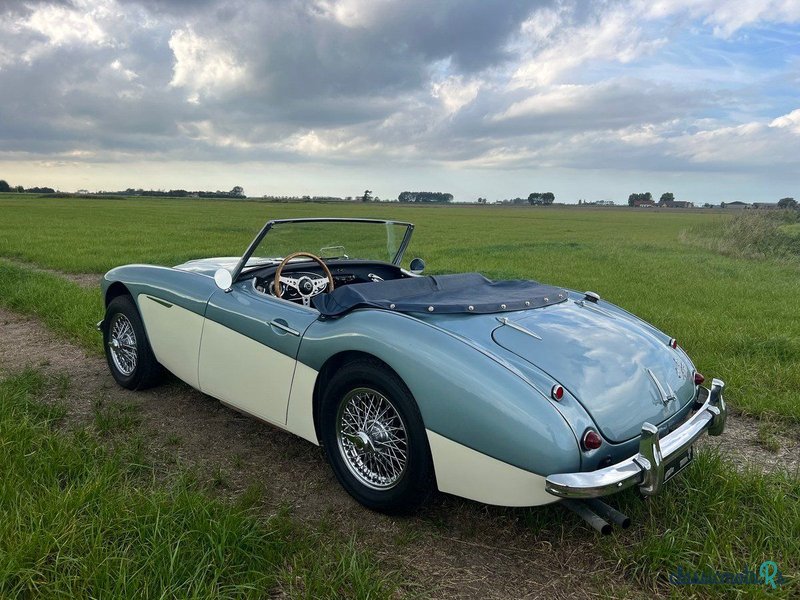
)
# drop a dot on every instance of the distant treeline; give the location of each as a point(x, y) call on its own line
point(5, 187)
point(236, 192)
point(440, 197)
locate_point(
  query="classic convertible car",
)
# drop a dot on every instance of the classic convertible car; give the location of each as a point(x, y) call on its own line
point(512, 393)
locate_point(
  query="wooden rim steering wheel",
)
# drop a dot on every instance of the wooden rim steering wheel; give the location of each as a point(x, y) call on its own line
point(307, 288)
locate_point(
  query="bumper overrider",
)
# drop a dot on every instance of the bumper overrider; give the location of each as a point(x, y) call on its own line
point(647, 468)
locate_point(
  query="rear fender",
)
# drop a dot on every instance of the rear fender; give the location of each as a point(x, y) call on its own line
point(463, 393)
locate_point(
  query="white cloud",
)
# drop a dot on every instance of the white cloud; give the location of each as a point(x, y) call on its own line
point(612, 36)
point(203, 66)
point(725, 16)
point(790, 122)
point(455, 92)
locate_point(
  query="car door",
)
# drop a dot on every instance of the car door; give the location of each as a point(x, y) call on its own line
point(248, 350)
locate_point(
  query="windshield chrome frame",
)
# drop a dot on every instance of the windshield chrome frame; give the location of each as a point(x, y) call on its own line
point(270, 224)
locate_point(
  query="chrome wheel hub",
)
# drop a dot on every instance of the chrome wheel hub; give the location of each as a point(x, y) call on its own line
point(372, 438)
point(122, 344)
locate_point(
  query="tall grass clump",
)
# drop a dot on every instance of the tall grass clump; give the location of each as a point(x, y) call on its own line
point(81, 520)
point(751, 234)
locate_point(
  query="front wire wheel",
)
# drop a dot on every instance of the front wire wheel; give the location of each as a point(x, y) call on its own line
point(130, 358)
point(122, 344)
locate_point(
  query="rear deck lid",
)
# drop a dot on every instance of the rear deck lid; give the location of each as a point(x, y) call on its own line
point(615, 366)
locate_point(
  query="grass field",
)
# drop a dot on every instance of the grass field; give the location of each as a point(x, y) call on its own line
point(735, 316)
point(730, 314)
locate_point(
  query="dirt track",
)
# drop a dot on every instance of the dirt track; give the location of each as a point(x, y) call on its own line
point(451, 549)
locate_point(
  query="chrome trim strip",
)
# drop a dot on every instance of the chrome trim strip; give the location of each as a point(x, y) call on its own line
point(646, 468)
point(666, 398)
point(159, 301)
point(505, 321)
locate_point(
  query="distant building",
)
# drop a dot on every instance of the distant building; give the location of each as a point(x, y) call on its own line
point(766, 205)
point(738, 205)
point(644, 203)
point(677, 204)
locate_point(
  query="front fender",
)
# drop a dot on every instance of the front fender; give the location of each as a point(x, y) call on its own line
point(463, 393)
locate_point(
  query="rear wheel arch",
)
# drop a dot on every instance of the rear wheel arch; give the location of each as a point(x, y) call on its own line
point(327, 371)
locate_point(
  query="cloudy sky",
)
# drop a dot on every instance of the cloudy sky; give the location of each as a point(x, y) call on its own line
point(590, 100)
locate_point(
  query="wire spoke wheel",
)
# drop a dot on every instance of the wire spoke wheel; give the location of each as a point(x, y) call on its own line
point(122, 344)
point(372, 438)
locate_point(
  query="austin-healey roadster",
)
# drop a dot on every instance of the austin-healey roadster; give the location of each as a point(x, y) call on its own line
point(512, 393)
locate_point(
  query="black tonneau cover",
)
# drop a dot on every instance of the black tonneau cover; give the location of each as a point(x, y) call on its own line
point(461, 293)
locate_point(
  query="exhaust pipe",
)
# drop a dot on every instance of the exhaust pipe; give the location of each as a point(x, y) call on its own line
point(586, 513)
point(609, 512)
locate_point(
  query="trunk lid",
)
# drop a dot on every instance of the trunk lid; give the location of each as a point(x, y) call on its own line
point(615, 365)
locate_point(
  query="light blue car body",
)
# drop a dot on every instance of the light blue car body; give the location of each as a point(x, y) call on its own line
point(477, 381)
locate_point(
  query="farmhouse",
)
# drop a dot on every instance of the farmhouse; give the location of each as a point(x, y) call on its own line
point(643, 203)
point(766, 205)
point(677, 204)
point(735, 205)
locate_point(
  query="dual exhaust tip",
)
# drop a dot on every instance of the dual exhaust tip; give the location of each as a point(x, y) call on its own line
point(598, 514)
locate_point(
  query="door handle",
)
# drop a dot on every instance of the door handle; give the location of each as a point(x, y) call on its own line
point(283, 327)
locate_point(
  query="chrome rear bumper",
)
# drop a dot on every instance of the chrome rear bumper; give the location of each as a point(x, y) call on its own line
point(645, 469)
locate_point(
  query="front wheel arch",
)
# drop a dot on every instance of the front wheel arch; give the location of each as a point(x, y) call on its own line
point(115, 290)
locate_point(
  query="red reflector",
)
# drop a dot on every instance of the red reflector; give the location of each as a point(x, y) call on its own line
point(673, 343)
point(557, 392)
point(592, 440)
point(698, 378)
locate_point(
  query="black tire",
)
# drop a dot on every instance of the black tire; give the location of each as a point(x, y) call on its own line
point(145, 372)
point(415, 482)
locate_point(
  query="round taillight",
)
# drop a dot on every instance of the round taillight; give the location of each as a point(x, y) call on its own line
point(557, 392)
point(591, 440)
point(698, 378)
point(673, 343)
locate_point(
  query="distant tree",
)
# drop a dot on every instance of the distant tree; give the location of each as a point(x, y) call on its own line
point(18, 189)
point(541, 198)
point(645, 196)
point(367, 196)
point(707, 205)
point(481, 200)
point(4, 187)
point(782, 203)
point(667, 197)
point(237, 192)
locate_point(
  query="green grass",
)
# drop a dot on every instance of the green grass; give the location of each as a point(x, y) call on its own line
point(65, 307)
point(82, 520)
point(713, 516)
point(733, 315)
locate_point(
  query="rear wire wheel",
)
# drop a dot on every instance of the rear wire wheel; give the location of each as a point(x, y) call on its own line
point(374, 438)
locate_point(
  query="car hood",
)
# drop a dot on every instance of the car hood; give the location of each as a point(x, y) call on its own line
point(614, 364)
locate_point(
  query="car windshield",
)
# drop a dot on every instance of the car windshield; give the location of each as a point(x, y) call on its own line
point(332, 239)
